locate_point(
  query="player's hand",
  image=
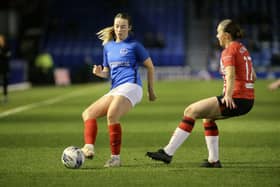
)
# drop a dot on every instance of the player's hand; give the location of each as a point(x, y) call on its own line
point(228, 101)
point(97, 69)
point(274, 86)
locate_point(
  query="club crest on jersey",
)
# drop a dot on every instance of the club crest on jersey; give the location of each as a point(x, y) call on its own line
point(242, 49)
point(123, 51)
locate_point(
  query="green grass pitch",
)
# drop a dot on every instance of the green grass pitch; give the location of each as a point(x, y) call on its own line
point(48, 119)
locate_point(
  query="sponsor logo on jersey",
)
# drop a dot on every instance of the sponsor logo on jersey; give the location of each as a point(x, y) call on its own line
point(123, 51)
point(242, 49)
point(119, 64)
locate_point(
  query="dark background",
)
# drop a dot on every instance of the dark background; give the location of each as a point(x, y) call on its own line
point(176, 33)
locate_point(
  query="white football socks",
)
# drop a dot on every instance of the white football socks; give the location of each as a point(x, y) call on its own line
point(212, 143)
point(177, 139)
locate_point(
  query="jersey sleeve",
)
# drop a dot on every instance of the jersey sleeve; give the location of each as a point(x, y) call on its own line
point(228, 57)
point(105, 59)
point(141, 53)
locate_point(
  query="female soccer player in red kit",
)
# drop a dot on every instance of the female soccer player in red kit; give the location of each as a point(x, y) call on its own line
point(237, 98)
point(122, 55)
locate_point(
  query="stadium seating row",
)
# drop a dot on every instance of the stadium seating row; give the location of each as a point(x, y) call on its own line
point(158, 24)
point(260, 20)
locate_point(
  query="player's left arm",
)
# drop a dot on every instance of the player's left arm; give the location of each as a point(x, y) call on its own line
point(150, 77)
point(274, 85)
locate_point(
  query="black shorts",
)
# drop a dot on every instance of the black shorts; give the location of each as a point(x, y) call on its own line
point(243, 106)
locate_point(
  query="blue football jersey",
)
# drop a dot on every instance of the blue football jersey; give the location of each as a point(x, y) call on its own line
point(123, 58)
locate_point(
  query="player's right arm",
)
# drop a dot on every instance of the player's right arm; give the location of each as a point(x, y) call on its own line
point(98, 71)
point(254, 74)
point(230, 78)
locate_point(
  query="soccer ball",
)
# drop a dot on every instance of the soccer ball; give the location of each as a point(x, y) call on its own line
point(72, 157)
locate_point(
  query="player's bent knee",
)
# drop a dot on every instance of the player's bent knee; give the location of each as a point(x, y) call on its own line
point(189, 111)
point(87, 114)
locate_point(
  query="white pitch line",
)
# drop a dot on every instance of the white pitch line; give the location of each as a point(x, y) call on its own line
point(39, 104)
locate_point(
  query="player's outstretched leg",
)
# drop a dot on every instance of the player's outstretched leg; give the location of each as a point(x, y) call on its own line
point(160, 155)
point(88, 151)
point(180, 134)
point(90, 133)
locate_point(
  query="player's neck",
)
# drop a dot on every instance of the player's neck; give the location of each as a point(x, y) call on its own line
point(228, 43)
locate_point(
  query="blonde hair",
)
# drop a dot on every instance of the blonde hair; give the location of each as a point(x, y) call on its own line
point(232, 28)
point(107, 34)
point(224, 23)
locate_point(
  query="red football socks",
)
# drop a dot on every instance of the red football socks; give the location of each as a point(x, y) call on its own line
point(115, 133)
point(90, 131)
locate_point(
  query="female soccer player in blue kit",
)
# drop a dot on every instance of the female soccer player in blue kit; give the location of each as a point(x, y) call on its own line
point(121, 55)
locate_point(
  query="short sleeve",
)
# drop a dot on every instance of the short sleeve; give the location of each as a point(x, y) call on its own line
point(105, 59)
point(228, 58)
point(141, 52)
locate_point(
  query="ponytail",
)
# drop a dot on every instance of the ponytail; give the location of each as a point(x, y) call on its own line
point(232, 28)
point(106, 34)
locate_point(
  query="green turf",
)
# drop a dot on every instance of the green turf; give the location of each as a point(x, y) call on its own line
point(31, 141)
